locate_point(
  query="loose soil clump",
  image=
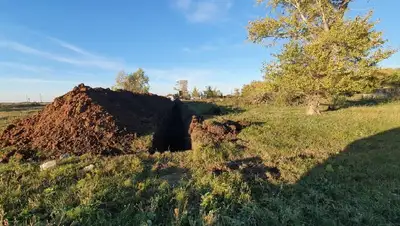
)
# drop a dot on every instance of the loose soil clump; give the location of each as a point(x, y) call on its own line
point(212, 132)
point(90, 120)
point(250, 168)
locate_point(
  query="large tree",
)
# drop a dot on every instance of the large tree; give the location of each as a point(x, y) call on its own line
point(137, 82)
point(325, 52)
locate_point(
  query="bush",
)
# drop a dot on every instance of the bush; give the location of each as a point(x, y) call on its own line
point(260, 92)
point(288, 98)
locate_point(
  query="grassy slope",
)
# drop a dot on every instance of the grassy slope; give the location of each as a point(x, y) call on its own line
point(337, 169)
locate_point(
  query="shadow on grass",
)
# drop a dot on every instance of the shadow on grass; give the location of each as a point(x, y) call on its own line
point(363, 102)
point(367, 102)
point(361, 185)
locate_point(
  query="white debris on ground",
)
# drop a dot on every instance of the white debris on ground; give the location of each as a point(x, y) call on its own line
point(48, 165)
point(88, 168)
point(64, 156)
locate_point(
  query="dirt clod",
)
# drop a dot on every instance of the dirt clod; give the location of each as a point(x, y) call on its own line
point(250, 168)
point(213, 132)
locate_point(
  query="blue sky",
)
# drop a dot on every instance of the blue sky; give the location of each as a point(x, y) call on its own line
point(48, 47)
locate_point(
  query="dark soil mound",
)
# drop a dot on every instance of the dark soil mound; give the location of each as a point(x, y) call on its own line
point(94, 120)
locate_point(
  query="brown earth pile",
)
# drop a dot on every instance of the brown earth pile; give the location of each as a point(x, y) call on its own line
point(89, 120)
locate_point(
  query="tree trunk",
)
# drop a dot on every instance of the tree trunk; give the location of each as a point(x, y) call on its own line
point(313, 106)
point(331, 107)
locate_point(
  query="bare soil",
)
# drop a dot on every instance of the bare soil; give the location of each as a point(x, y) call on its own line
point(89, 120)
point(106, 122)
point(212, 131)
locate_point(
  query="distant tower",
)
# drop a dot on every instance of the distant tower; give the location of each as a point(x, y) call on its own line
point(182, 87)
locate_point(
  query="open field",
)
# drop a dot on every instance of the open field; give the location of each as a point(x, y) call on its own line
point(9, 112)
point(341, 168)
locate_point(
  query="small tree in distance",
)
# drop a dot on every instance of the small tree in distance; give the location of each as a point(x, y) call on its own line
point(236, 92)
point(137, 82)
point(210, 92)
point(195, 93)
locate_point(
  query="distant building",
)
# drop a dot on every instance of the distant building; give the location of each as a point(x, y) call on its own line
point(171, 97)
point(182, 88)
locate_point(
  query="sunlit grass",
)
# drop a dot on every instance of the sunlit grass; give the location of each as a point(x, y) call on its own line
point(340, 168)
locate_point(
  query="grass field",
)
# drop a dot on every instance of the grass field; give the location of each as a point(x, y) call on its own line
point(341, 168)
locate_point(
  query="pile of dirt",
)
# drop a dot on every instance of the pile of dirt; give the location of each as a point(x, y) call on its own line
point(212, 132)
point(106, 122)
point(93, 120)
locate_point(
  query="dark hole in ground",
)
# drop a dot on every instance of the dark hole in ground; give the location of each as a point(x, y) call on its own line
point(173, 135)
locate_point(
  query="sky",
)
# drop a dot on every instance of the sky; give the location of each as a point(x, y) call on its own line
point(48, 47)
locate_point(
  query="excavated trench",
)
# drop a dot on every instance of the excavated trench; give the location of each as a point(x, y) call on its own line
point(173, 135)
point(105, 122)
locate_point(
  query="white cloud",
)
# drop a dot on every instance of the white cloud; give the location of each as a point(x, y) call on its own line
point(78, 61)
point(25, 67)
point(183, 4)
point(71, 47)
point(50, 66)
point(35, 80)
point(20, 48)
point(220, 44)
point(17, 67)
point(175, 74)
point(34, 88)
point(187, 49)
point(202, 48)
point(69, 83)
point(204, 11)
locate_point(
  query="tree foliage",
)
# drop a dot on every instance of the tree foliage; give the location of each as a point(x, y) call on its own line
point(137, 82)
point(236, 92)
point(389, 77)
point(258, 92)
point(195, 93)
point(211, 92)
point(324, 52)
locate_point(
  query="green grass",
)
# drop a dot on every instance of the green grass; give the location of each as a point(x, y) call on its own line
point(11, 112)
point(341, 168)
